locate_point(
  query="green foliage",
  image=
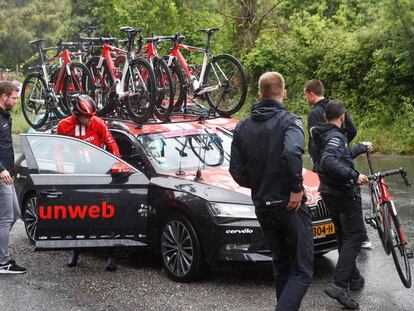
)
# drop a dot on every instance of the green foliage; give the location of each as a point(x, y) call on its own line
point(363, 51)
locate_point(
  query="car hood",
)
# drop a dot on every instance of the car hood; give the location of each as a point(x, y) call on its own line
point(215, 185)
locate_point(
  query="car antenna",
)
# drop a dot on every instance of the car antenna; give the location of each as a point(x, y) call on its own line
point(199, 176)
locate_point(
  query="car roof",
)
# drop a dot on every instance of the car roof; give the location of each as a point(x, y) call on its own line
point(176, 126)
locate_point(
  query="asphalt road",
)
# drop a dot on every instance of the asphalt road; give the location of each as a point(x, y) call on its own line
point(140, 284)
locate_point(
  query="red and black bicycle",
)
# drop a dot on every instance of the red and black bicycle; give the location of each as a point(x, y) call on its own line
point(385, 219)
point(46, 91)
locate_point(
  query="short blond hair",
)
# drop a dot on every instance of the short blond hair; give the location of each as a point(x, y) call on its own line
point(271, 85)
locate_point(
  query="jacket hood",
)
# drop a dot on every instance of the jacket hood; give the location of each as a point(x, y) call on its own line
point(319, 132)
point(266, 109)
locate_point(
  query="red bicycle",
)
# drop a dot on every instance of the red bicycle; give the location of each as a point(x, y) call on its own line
point(47, 90)
point(384, 218)
point(221, 80)
point(133, 84)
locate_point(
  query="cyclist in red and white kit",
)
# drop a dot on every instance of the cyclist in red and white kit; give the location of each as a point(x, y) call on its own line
point(83, 124)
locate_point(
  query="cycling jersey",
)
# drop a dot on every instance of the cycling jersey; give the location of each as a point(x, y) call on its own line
point(96, 132)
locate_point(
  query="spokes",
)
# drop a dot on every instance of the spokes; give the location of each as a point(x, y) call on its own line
point(177, 248)
point(30, 219)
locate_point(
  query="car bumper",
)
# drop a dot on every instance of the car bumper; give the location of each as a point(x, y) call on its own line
point(243, 241)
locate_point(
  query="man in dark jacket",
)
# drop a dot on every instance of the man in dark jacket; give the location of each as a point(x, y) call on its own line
point(339, 188)
point(314, 94)
point(9, 206)
point(266, 156)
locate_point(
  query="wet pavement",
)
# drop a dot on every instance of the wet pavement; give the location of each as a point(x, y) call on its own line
point(140, 284)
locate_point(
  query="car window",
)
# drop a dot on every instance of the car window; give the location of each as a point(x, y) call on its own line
point(64, 155)
point(201, 148)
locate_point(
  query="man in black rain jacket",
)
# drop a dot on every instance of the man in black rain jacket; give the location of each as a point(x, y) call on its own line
point(266, 156)
point(340, 191)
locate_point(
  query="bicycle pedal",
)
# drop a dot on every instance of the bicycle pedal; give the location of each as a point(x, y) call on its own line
point(409, 253)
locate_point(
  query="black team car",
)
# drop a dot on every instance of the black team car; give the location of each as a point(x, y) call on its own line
point(170, 191)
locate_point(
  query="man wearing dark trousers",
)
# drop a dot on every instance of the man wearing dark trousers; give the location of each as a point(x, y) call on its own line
point(9, 206)
point(339, 188)
point(266, 156)
point(314, 94)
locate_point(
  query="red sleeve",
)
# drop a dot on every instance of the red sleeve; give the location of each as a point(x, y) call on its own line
point(108, 139)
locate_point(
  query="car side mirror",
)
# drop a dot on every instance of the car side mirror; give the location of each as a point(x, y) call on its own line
point(121, 170)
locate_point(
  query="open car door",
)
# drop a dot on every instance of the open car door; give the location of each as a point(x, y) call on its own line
point(85, 197)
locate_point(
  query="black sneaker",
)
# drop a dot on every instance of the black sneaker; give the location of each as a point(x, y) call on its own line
point(73, 258)
point(11, 268)
point(357, 284)
point(341, 294)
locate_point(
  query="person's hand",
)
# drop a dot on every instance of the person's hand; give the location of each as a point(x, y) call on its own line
point(362, 179)
point(295, 201)
point(5, 178)
point(368, 145)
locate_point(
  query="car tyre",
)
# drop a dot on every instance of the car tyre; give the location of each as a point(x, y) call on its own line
point(30, 217)
point(180, 249)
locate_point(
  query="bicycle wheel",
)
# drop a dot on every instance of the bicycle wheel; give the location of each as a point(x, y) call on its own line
point(165, 90)
point(103, 86)
point(398, 248)
point(380, 219)
point(141, 87)
point(34, 100)
point(227, 82)
point(179, 83)
point(79, 82)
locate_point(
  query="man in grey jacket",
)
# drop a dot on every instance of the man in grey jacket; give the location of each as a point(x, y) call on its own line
point(9, 207)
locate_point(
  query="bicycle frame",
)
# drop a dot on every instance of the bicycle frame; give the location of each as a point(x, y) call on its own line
point(197, 84)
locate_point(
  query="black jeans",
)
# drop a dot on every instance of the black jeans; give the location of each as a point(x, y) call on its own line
point(289, 236)
point(346, 214)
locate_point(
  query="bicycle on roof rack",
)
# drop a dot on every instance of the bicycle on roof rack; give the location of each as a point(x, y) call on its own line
point(385, 219)
point(221, 80)
point(133, 85)
point(46, 91)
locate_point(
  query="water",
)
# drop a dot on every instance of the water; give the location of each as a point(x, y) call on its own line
point(402, 195)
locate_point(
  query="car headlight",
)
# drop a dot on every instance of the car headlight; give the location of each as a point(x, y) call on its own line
point(232, 210)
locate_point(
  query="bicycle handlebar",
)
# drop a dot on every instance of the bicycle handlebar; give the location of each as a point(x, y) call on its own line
point(381, 175)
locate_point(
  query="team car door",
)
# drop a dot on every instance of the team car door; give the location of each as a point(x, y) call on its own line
point(85, 196)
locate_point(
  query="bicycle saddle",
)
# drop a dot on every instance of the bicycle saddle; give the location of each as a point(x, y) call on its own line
point(210, 30)
point(130, 30)
point(37, 42)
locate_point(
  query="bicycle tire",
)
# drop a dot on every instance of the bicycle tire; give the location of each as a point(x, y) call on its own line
point(225, 72)
point(80, 82)
point(179, 83)
point(141, 86)
point(103, 86)
point(201, 155)
point(165, 90)
point(398, 248)
point(34, 85)
point(379, 220)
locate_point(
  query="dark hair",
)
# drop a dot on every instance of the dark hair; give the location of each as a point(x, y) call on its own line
point(314, 86)
point(334, 109)
point(7, 87)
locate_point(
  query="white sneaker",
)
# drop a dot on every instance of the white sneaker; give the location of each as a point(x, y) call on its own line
point(366, 244)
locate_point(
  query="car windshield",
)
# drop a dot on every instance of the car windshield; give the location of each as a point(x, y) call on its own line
point(188, 150)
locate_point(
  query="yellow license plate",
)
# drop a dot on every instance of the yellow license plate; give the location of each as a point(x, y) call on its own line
point(321, 231)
